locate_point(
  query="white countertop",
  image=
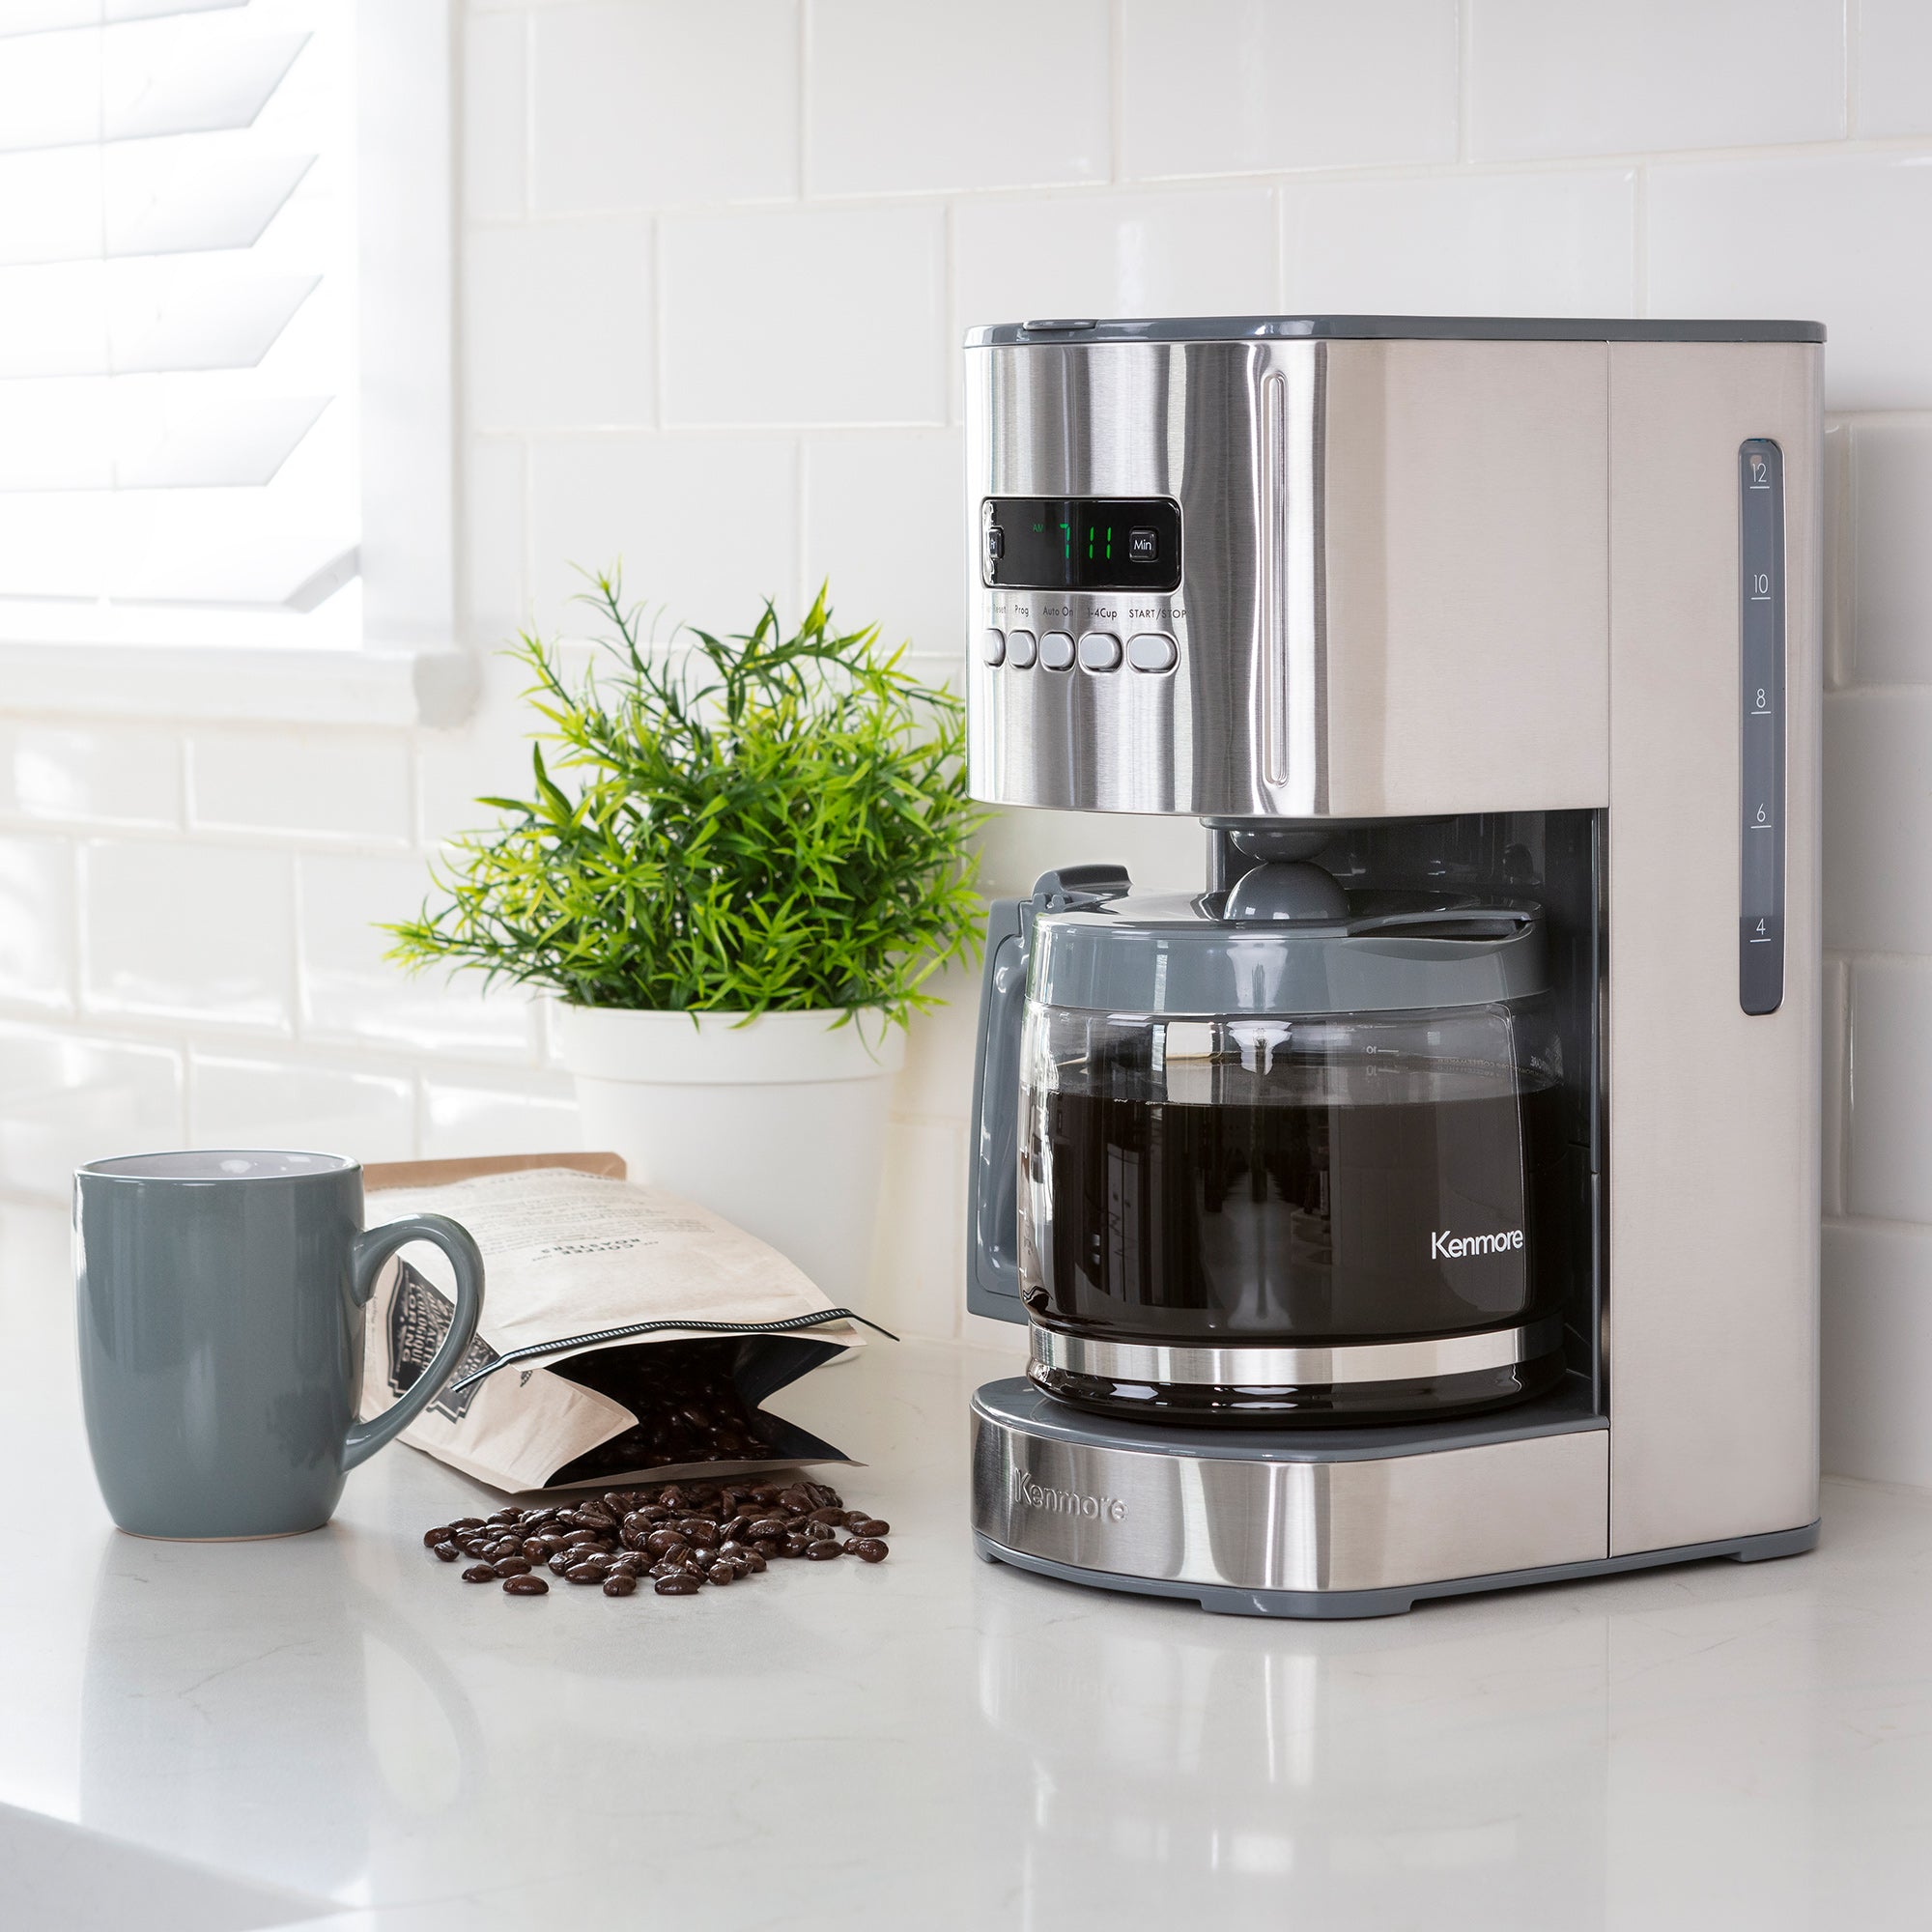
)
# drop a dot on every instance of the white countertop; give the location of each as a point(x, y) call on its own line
point(935, 1743)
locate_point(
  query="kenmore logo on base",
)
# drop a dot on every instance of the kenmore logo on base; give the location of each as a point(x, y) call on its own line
point(1448, 1247)
point(1065, 1502)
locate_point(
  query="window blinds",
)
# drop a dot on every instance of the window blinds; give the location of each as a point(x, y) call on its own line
point(177, 308)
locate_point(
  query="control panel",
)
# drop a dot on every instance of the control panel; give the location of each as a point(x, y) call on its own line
point(1080, 543)
point(1081, 584)
point(1761, 725)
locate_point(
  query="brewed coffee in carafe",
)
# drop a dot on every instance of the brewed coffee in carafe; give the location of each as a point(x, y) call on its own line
point(1315, 1182)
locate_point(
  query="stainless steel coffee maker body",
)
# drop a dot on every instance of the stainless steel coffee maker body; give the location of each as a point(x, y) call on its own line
point(1462, 622)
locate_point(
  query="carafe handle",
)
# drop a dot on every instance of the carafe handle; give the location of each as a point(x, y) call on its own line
point(992, 1208)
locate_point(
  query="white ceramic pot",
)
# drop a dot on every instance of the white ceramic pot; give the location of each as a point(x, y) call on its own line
point(778, 1124)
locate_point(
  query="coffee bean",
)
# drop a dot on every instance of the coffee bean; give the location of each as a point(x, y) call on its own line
point(819, 1553)
point(432, 1537)
point(866, 1549)
point(583, 1572)
point(479, 1572)
point(446, 1551)
point(512, 1566)
point(466, 1522)
point(720, 1574)
point(676, 1586)
point(620, 1584)
point(662, 1542)
point(836, 1518)
point(820, 1532)
point(583, 1538)
point(768, 1525)
point(525, 1585)
point(869, 1526)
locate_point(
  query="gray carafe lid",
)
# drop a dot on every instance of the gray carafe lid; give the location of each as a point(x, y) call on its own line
point(1382, 952)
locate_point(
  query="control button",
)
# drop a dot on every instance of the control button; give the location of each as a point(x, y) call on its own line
point(996, 543)
point(1142, 546)
point(1099, 650)
point(1056, 651)
point(1151, 650)
point(1021, 649)
point(992, 647)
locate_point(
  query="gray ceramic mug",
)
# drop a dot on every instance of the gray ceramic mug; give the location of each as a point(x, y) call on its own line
point(220, 1302)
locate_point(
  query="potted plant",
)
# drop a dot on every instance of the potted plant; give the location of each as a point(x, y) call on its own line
point(744, 860)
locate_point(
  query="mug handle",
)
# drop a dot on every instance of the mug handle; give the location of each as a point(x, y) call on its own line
point(372, 1249)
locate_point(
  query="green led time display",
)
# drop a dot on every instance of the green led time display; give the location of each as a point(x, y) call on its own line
point(1063, 543)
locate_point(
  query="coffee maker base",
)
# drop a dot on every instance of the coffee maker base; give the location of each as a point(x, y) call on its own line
point(1344, 1606)
point(1333, 1524)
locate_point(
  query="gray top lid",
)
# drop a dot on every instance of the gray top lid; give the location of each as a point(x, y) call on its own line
point(1164, 952)
point(1385, 328)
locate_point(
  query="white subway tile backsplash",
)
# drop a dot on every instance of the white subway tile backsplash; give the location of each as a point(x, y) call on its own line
point(1653, 75)
point(1877, 864)
point(269, 1103)
point(351, 993)
point(1017, 846)
point(1178, 252)
point(705, 527)
point(331, 784)
point(558, 324)
point(1876, 1342)
point(820, 315)
point(36, 920)
point(902, 99)
point(90, 774)
point(494, 591)
point(1835, 1080)
point(1244, 86)
point(198, 932)
point(882, 525)
point(643, 103)
point(486, 755)
point(936, 1082)
point(1892, 65)
point(499, 1114)
point(1840, 554)
point(1831, 239)
point(917, 1284)
point(66, 1101)
point(496, 133)
point(1888, 1127)
point(1891, 518)
point(1558, 243)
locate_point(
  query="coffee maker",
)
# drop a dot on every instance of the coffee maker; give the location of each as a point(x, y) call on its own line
point(1423, 1200)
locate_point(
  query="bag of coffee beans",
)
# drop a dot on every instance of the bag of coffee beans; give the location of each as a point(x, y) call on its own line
point(626, 1333)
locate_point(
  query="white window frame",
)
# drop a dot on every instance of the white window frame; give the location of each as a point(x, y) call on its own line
point(410, 667)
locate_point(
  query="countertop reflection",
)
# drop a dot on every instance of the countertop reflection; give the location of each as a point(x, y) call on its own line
point(938, 1742)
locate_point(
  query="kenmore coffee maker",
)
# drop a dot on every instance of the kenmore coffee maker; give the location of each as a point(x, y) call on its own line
point(1425, 1198)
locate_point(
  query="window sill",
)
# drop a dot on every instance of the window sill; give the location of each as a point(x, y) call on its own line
point(272, 684)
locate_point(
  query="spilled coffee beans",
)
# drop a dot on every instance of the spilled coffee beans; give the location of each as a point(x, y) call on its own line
point(679, 1539)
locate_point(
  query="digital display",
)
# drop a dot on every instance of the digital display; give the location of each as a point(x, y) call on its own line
point(1080, 543)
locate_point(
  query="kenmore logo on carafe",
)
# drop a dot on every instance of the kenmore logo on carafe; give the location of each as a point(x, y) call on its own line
point(1065, 1502)
point(1444, 1246)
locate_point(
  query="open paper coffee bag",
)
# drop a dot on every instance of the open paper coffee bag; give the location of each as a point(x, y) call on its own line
point(627, 1334)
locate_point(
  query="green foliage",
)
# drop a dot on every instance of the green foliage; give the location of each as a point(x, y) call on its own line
point(760, 823)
